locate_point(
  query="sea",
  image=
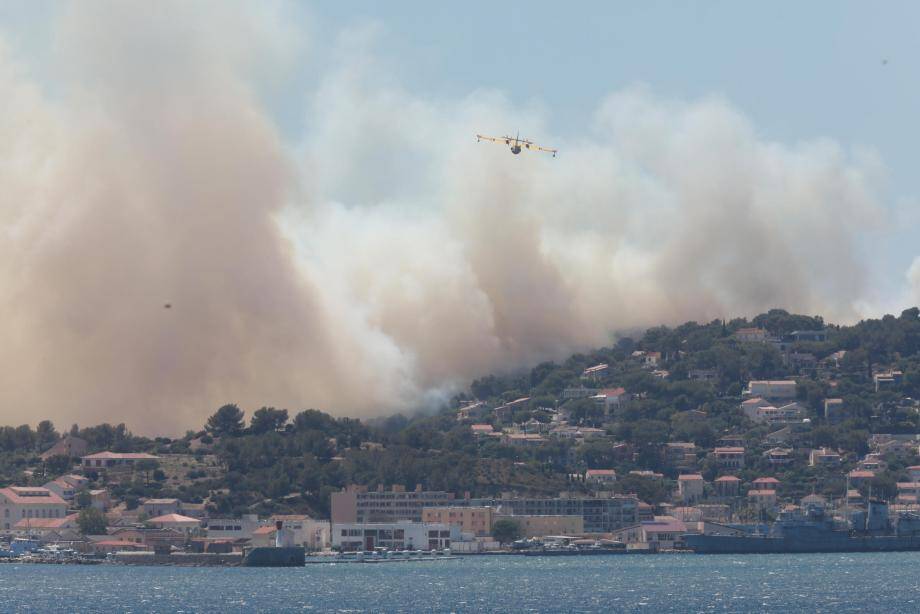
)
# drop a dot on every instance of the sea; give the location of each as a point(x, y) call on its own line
point(836, 583)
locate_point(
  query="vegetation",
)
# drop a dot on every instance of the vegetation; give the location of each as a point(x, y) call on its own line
point(285, 462)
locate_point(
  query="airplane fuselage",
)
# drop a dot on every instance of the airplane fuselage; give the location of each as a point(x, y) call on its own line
point(515, 149)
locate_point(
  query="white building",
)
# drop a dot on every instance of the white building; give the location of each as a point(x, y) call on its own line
point(312, 534)
point(690, 487)
point(772, 390)
point(18, 502)
point(233, 528)
point(349, 537)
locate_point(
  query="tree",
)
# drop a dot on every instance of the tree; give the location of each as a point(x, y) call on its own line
point(228, 420)
point(45, 434)
point(91, 522)
point(58, 464)
point(267, 419)
point(83, 499)
point(146, 466)
point(506, 530)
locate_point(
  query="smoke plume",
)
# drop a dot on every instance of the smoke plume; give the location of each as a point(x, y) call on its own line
point(382, 259)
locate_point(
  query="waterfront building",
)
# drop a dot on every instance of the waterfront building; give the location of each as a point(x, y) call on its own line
point(476, 521)
point(233, 528)
point(662, 533)
point(541, 526)
point(356, 504)
point(308, 532)
point(600, 514)
point(350, 537)
point(19, 502)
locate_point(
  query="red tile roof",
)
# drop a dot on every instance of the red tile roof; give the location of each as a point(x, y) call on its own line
point(31, 495)
point(728, 478)
point(122, 456)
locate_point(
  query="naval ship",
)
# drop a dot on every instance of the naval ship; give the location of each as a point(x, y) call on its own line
point(813, 530)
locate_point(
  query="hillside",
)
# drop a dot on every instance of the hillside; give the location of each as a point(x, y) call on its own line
point(661, 403)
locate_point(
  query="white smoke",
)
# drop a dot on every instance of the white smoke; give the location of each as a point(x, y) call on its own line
point(387, 258)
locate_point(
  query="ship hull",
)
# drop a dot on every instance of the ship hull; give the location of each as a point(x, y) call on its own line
point(275, 557)
point(724, 544)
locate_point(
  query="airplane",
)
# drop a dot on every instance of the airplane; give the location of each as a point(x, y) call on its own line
point(517, 144)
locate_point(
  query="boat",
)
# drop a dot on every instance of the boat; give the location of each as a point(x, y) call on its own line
point(812, 529)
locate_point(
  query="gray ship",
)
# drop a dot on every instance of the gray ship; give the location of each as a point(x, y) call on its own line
point(813, 530)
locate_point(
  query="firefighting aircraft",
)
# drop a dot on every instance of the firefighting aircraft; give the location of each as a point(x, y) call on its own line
point(517, 144)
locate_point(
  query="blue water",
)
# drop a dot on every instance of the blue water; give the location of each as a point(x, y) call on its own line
point(680, 583)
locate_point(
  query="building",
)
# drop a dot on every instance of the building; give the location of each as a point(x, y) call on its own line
point(599, 514)
point(62, 488)
point(522, 439)
point(812, 336)
point(914, 473)
point(859, 477)
point(765, 484)
point(823, 457)
point(19, 502)
point(751, 335)
point(161, 507)
point(309, 532)
point(100, 499)
point(149, 537)
point(233, 528)
point(176, 522)
point(113, 460)
point(690, 487)
point(728, 486)
point(729, 457)
point(779, 456)
point(350, 537)
point(594, 372)
point(481, 430)
point(751, 407)
point(772, 390)
point(476, 521)
point(601, 476)
point(703, 375)
point(506, 412)
point(680, 454)
point(356, 504)
point(764, 499)
point(46, 529)
point(68, 445)
point(833, 410)
point(612, 399)
point(662, 533)
point(541, 526)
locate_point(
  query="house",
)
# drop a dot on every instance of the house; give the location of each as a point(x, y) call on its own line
point(750, 335)
point(914, 473)
point(859, 477)
point(779, 456)
point(471, 411)
point(481, 430)
point(823, 457)
point(833, 410)
point(594, 372)
point(784, 414)
point(728, 486)
point(99, 499)
point(772, 390)
point(764, 499)
point(703, 375)
point(62, 488)
point(908, 492)
point(873, 461)
point(811, 336)
point(886, 379)
point(48, 527)
point(161, 507)
point(149, 537)
point(111, 460)
point(233, 528)
point(176, 522)
point(601, 476)
point(68, 445)
point(729, 457)
point(20, 502)
point(690, 487)
point(680, 454)
point(522, 439)
point(765, 484)
point(505, 412)
point(611, 398)
point(751, 407)
point(652, 359)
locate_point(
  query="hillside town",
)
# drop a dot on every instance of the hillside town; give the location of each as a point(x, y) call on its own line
point(714, 429)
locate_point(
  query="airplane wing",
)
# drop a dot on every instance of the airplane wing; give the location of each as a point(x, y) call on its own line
point(504, 140)
point(530, 145)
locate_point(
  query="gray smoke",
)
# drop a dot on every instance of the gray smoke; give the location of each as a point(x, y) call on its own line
point(386, 259)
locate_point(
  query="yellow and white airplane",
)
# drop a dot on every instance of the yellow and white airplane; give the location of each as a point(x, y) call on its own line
point(517, 144)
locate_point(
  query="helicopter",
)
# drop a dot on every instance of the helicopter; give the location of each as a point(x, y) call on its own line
point(517, 144)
